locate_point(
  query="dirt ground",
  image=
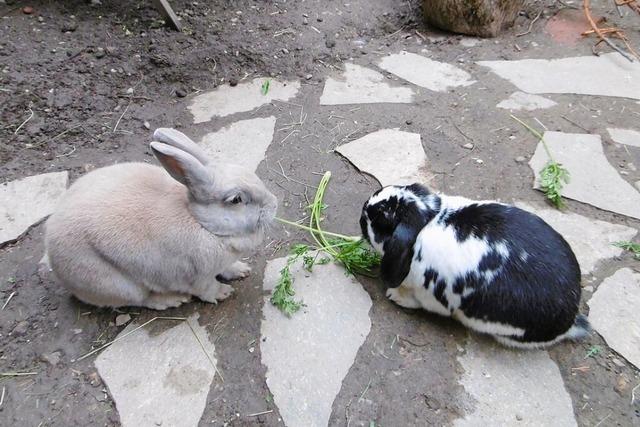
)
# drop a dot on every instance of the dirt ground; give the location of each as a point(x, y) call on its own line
point(72, 64)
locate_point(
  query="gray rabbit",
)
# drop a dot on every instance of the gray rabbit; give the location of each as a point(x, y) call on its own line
point(134, 235)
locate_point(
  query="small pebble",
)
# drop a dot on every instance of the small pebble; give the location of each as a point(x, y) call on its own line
point(147, 125)
point(305, 21)
point(308, 77)
point(479, 161)
point(233, 82)
point(122, 319)
point(520, 159)
point(69, 26)
point(252, 349)
point(27, 10)
point(100, 53)
point(319, 19)
point(285, 50)
point(52, 359)
point(468, 146)
point(180, 93)
point(330, 42)
point(409, 122)
point(40, 19)
point(130, 91)
point(519, 417)
point(621, 385)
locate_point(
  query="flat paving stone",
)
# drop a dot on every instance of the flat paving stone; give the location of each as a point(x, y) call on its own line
point(525, 101)
point(425, 72)
point(512, 388)
point(227, 100)
point(591, 239)
point(244, 142)
point(360, 85)
point(605, 75)
point(613, 312)
point(593, 179)
point(27, 201)
point(389, 155)
point(308, 355)
point(625, 136)
point(161, 379)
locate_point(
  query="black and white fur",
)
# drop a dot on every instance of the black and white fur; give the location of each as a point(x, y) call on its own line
point(496, 268)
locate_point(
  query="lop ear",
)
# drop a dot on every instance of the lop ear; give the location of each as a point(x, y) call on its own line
point(185, 169)
point(180, 141)
point(398, 254)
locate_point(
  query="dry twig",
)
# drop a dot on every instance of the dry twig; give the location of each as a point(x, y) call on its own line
point(601, 34)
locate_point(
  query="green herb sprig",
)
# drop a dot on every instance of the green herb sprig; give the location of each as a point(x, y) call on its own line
point(352, 252)
point(631, 247)
point(553, 176)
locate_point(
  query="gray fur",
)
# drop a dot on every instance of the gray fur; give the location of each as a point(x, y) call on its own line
point(130, 235)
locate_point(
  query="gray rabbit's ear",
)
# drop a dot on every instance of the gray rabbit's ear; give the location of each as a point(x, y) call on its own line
point(181, 141)
point(185, 169)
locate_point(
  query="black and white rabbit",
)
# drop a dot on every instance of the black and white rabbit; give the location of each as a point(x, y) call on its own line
point(495, 268)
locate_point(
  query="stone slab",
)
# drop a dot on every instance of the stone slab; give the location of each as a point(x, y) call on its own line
point(244, 142)
point(625, 136)
point(161, 379)
point(360, 85)
point(227, 100)
point(606, 75)
point(512, 388)
point(425, 72)
point(391, 156)
point(593, 179)
point(591, 239)
point(524, 101)
point(27, 201)
point(308, 355)
point(613, 312)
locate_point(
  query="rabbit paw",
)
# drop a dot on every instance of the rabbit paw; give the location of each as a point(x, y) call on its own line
point(160, 301)
point(403, 297)
point(237, 270)
point(216, 293)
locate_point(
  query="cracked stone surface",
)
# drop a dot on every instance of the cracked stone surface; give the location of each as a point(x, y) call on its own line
point(159, 379)
point(389, 155)
point(425, 72)
point(26, 201)
point(227, 100)
point(613, 312)
point(512, 387)
point(308, 355)
point(606, 75)
point(524, 101)
point(244, 142)
point(625, 136)
point(360, 85)
point(590, 247)
point(593, 179)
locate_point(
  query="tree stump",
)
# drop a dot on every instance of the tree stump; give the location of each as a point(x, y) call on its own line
point(483, 18)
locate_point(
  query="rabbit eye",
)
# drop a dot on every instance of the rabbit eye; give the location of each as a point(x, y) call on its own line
point(235, 199)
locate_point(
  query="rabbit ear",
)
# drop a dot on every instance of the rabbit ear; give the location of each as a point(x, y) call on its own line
point(398, 254)
point(186, 169)
point(181, 141)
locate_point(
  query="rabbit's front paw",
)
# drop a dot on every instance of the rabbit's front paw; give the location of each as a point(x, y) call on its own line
point(237, 270)
point(403, 297)
point(215, 293)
